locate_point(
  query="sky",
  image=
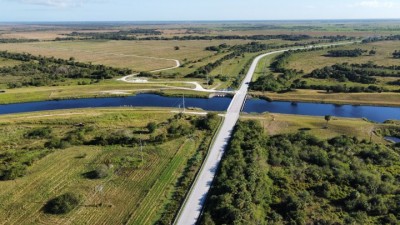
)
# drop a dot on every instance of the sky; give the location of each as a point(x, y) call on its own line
point(192, 10)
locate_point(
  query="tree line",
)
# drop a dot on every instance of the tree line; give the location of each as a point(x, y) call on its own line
point(299, 179)
point(359, 73)
point(346, 53)
point(154, 34)
point(15, 40)
point(381, 38)
point(343, 73)
point(117, 35)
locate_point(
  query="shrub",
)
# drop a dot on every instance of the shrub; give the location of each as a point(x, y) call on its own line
point(62, 204)
point(56, 143)
point(152, 126)
point(98, 173)
point(41, 132)
point(12, 172)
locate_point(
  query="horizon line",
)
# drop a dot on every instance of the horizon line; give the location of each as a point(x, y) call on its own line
point(186, 21)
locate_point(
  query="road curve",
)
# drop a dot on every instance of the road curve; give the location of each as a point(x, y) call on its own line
point(177, 65)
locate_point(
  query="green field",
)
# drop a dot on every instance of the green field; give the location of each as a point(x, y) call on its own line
point(134, 192)
point(137, 55)
point(275, 124)
point(310, 61)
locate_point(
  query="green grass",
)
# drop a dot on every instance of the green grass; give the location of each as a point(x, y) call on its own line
point(284, 124)
point(133, 195)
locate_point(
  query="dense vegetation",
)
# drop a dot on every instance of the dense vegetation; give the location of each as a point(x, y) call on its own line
point(62, 204)
point(346, 53)
point(146, 179)
point(45, 71)
point(299, 179)
point(217, 48)
point(343, 73)
point(396, 54)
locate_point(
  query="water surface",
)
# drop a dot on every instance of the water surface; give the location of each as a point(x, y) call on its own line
point(374, 113)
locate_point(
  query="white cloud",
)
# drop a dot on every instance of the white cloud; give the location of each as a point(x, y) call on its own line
point(375, 4)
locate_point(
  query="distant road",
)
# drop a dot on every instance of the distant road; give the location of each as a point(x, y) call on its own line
point(194, 203)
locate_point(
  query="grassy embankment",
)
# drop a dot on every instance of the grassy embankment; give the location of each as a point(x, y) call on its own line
point(134, 191)
point(109, 88)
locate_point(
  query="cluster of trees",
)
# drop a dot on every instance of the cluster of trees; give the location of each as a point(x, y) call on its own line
point(237, 51)
point(343, 73)
point(268, 83)
point(346, 53)
point(298, 179)
point(217, 48)
point(44, 71)
point(62, 204)
point(396, 54)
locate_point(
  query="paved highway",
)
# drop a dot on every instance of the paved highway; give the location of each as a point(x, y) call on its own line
point(195, 201)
